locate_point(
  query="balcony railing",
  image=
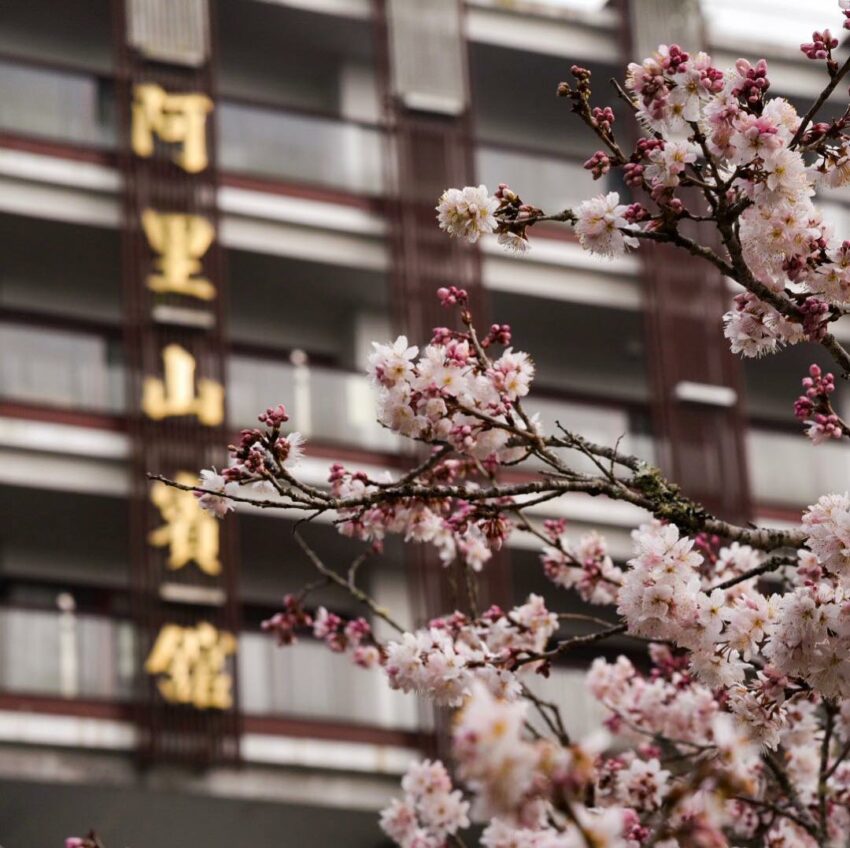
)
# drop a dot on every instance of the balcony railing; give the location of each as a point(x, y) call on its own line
point(804, 473)
point(324, 403)
point(548, 180)
point(66, 369)
point(318, 150)
point(66, 655)
point(71, 655)
point(57, 105)
point(307, 680)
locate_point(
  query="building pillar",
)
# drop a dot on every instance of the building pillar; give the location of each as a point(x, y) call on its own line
point(696, 382)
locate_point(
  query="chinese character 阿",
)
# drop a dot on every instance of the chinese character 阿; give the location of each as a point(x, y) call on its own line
point(190, 533)
point(175, 394)
point(192, 664)
point(175, 118)
point(180, 241)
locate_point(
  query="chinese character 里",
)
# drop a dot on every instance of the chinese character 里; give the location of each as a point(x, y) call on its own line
point(180, 241)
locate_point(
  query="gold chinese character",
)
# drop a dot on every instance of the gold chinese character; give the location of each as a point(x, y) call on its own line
point(175, 395)
point(190, 533)
point(192, 663)
point(180, 241)
point(175, 118)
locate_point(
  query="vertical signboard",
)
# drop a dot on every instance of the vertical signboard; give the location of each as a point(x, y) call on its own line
point(184, 569)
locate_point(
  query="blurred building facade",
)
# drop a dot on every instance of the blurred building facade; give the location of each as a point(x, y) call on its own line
point(328, 129)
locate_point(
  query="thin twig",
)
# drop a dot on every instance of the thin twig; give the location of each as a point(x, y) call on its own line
point(353, 590)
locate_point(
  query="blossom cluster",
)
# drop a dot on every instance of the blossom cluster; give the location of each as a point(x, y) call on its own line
point(447, 393)
point(669, 706)
point(467, 213)
point(665, 597)
point(456, 528)
point(353, 637)
point(827, 524)
point(516, 780)
point(260, 457)
point(451, 395)
point(803, 633)
point(725, 119)
point(814, 407)
point(286, 623)
point(521, 785)
point(755, 328)
point(602, 225)
point(472, 212)
point(445, 659)
point(585, 567)
point(430, 811)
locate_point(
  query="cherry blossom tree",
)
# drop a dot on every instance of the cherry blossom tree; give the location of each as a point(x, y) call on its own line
point(739, 731)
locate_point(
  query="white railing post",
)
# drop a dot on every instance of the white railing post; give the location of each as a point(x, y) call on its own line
point(69, 671)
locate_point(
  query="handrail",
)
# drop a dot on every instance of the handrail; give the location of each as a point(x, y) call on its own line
point(588, 398)
point(299, 110)
point(275, 725)
point(52, 321)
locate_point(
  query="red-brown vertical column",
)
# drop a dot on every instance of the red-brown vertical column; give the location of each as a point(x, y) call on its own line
point(184, 568)
point(696, 382)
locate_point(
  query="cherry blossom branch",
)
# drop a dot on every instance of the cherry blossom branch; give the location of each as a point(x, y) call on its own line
point(770, 564)
point(552, 719)
point(728, 659)
point(829, 724)
point(623, 94)
point(648, 490)
point(260, 503)
point(839, 759)
point(787, 787)
point(567, 645)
